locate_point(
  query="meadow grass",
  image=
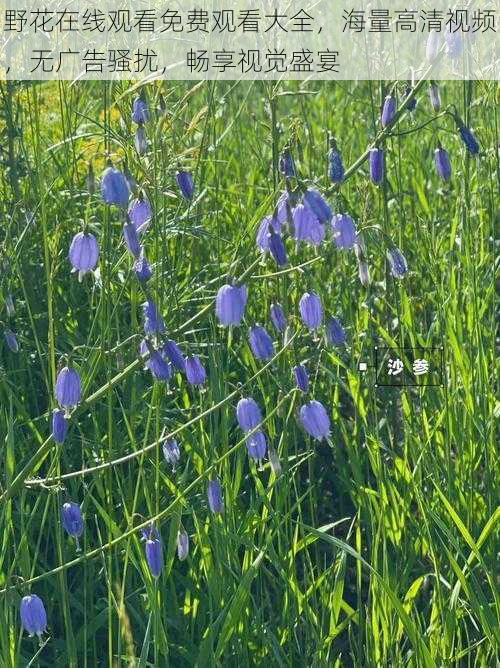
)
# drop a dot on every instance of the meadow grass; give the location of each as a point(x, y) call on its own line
point(375, 548)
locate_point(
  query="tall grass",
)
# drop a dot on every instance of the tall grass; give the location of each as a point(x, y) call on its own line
point(377, 548)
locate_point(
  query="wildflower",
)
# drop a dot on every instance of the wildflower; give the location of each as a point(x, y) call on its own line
point(153, 322)
point(283, 209)
point(412, 101)
point(140, 110)
point(59, 426)
point(335, 165)
point(214, 494)
point(363, 273)
point(68, 388)
point(468, 138)
point(301, 377)
point(174, 354)
point(454, 44)
point(344, 230)
point(306, 226)
point(141, 140)
point(182, 544)
point(154, 550)
point(388, 111)
point(263, 233)
point(114, 187)
point(397, 261)
point(248, 414)
point(129, 180)
point(277, 248)
point(287, 164)
point(83, 253)
point(443, 165)
point(315, 420)
point(317, 204)
point(156, 363)
point(311, 310)
point(376, 165)
point(432, 45)
point(185, 183)
point(257, 445)
point(195, 371)
point(142, 268)
point(278, 317)
point(33, 615)
point(90, 179)
point(435, 96)
point(230, 304)
point(335, 334)
point(9, 305)
point(72, 519)
point(131, 239)
point(140, 213)
point(261, 343)
point(171, 452)
point(11, 341)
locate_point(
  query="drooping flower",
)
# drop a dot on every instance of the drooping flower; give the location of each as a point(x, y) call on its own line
point(195, 371)
point(68, 390)
point(141, 140)
point(301, 377)
point(72, 519)
point(185, 183)
point(278, 317)
point(443, 164)
point(315, 420)
point(411, 104)
point(114, 187)
point(263, 233)
point(311, 310)
point(306, 226)
point(11, 341)
point(257, 445)
point(174, 354)
point(318, 205)
point(432, 45)
point(435, 96)
point(335, 166)
point(140, 110)
point(83, 253)
point(153, 550)
point(364, 273)
point(171, 452)
point(283, 210)
point(388, 111)
point(287, 164)
point(156, 363)
point(376, 165)
point(214, 495)
point(140, 213)
point(142, 268)
point(130, 179)
point(277, 249)
point(9, 305)
point(397, 262)
point(248, 414)
point(131, 240)
point(335, 333)
point(261, 343)
point(182, 544)
point(344, 230)
point(153, 322)
point(454, 44)
point(469, 139)
point(59, 426)
point(33, 615)
point(230, 304)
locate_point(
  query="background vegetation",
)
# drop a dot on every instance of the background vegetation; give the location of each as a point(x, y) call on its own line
point(377, 549)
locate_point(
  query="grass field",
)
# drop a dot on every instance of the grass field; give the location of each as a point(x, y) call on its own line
point(375, 547)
